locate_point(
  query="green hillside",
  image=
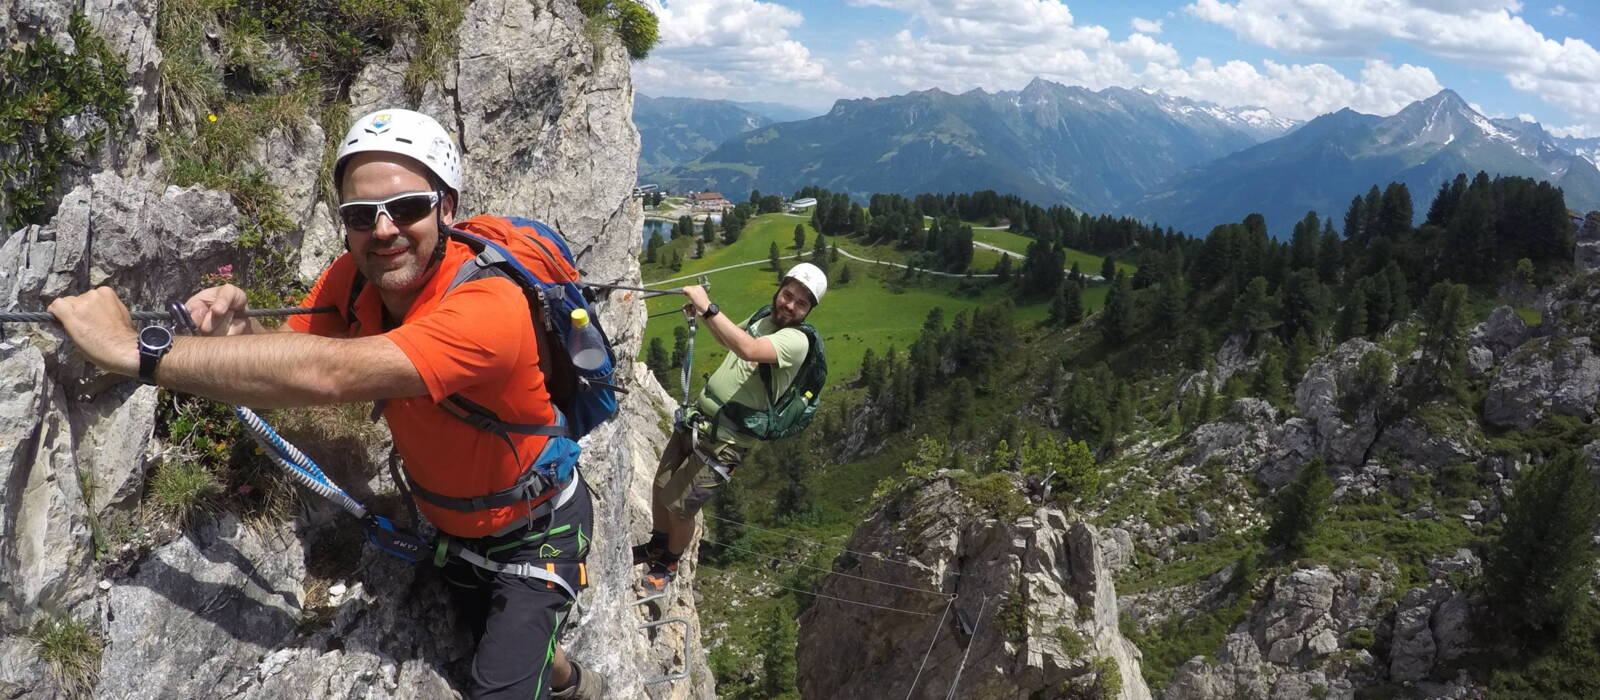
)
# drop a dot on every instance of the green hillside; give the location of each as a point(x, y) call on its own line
point(1089, 263)
point(874, 310)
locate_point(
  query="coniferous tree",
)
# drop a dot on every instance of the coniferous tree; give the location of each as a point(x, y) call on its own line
point(1537, 572)
point(1330, 256)
point(1108, 268)
point(1301, 507)
point(1446, 322)
point(1253, 310)
point(1002, 269)
point(776, 640)
point(1269, 382)
point(708, 232)
point(1116, 324)
point(1372, 206)
point(656, 359)
point(1395, 211)
point(699, 249)
point(685, 227)
point(1073, 310)
point(800, 236)
point(772, 257)
point(844, 274)
point(1307, 304)
point(1355, 219)
point(819, 253)
point(651, 250)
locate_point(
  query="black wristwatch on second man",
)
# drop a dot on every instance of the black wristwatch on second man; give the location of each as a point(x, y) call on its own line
point(154, 342)
point(711, 310)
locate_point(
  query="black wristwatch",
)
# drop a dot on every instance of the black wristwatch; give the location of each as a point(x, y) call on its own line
point(711, 310)
point(154, 342)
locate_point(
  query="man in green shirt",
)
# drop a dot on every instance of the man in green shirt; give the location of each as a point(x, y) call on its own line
point(702, 454)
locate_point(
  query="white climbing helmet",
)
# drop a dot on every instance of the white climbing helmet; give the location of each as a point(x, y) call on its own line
point(815, 280)
point(412, 134)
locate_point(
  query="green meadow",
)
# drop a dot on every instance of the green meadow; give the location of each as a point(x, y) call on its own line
point(874, 310)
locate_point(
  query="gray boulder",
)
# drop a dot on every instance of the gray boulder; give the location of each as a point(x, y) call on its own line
point(1544, 376)
point(1503, 332)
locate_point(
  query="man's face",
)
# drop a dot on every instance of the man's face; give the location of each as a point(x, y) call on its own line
point(393, 252)
point(791, 304)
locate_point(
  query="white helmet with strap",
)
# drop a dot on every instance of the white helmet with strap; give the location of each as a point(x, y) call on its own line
point(402, 131)
point(814, 279)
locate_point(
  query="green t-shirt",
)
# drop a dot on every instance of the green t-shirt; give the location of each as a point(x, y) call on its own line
point(737, 381)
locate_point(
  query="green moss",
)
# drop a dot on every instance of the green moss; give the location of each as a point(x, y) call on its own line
point(43, 88)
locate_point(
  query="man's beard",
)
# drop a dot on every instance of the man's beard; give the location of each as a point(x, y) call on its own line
point(780, 318)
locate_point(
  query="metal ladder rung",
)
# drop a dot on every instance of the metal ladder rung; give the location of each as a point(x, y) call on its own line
point(688, 646)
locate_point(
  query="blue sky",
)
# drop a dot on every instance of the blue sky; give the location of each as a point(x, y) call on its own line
point(1298, 59)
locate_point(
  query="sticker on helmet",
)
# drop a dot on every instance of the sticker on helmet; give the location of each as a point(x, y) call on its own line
point(380, 121)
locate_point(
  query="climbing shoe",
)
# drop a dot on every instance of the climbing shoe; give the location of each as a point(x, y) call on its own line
point(644, 553)
point(590, 686)
point(658, 576)
point(651, 550)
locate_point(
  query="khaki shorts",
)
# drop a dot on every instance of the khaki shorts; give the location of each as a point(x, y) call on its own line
point(684, 480)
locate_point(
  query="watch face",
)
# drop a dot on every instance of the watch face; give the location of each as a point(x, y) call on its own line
point(155, 338)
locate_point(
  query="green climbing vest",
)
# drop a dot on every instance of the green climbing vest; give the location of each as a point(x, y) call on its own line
point(789, 413)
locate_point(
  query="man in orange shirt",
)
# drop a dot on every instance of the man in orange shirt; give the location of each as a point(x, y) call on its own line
point(401, 340)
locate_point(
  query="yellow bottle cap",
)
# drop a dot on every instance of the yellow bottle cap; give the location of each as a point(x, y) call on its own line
point(580, 318)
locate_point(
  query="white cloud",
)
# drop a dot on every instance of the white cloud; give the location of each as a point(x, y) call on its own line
point(958, 45)
point(1299, 91)
point(737, 49)
point(1561, 11)
point(1476, 33)
point(1146, 26)
point(1529, 118)
point(1581, 131)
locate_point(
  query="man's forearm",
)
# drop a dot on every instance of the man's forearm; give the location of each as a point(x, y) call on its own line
point(280, 370)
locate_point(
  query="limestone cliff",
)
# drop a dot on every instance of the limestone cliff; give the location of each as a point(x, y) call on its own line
point(231, 606)
point(1031, 607)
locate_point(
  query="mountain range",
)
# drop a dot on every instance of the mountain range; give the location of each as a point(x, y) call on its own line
point(1179, 162)
point(1322, 165)
point(675, 130)
point(1049, 143)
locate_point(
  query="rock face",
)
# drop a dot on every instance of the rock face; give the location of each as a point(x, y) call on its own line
point(1542, 377)
point(1287, 646)
point(1034, 609)
point(544, 119)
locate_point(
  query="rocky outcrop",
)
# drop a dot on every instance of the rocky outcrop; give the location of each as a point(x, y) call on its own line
point(1544, 376)
point(1290, 642)
point(1031, 606)
point(227, 609)
point(1503, 332)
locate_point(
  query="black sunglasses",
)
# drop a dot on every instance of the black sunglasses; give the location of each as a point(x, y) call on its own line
point(402, 209)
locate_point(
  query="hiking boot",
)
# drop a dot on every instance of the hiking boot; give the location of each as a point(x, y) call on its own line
point(590, 686)
point(658, 576)
point(644, 553)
